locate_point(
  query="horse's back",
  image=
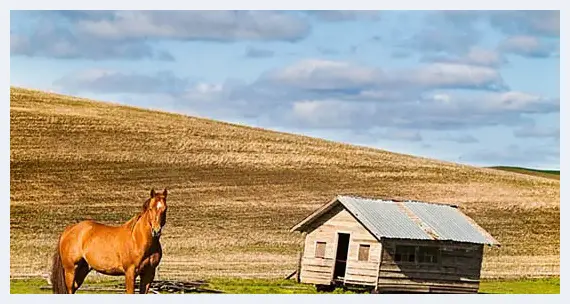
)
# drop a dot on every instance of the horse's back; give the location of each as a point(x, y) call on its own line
point(89, 227)
point(75, 231)
point(85, 234)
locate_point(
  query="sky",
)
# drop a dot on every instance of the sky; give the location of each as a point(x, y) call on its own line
point(473, 87)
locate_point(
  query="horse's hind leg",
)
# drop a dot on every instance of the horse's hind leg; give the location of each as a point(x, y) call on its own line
point(70, 278)
point(81, 271)
point(75, 275)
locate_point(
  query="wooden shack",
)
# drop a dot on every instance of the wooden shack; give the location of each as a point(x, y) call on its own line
point(392, 246)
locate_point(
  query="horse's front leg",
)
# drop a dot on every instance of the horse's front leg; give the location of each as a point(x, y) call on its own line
point(147, 276)
point(130, 276)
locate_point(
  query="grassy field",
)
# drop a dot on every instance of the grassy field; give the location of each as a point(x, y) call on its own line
point(554, 174)
point(267, 286)
point(235, 191)
point(522, 286)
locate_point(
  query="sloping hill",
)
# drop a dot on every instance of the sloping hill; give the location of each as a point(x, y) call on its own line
point(235, 191)
point(544, 173)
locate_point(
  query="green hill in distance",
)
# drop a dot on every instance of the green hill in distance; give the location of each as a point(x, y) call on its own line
point(554, 174)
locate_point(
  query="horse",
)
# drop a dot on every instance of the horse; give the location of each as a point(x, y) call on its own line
point(132, 249)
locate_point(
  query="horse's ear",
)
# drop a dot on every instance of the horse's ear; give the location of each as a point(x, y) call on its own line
point(152, 193)
point(164, 193)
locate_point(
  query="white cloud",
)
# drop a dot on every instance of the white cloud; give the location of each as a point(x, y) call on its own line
point(197, 25)
point(102, 35)
point(450, 75)
point(452, 35)
point(443, 98)
point(111, 82)
point(339, 75)
point(530, 46)
point(330, 113)
point(324, 74)
point(474, 56)
point(482, 56)
point(204, 92)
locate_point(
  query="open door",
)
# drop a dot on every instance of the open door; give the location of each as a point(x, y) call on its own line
point(341, 255)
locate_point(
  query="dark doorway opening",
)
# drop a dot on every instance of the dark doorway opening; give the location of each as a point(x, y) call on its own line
point(341, 255)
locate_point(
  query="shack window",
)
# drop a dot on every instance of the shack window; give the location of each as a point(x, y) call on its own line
point(405, 254)
point(320, 249)
point(363, 252)
point(428, 254)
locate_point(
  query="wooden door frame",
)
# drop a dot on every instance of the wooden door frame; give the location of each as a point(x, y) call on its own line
point(337, 233)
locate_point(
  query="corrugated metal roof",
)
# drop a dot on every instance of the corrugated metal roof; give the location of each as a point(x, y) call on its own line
point(390, 219)
point(449, 223)
point(383, 218)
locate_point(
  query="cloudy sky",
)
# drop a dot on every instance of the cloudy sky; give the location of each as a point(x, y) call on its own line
point(475, 87)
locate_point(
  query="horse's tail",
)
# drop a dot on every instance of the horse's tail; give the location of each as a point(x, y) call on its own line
point(58, 273)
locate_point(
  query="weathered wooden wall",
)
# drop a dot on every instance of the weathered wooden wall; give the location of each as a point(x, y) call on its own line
point(457, 270)
point(320, 270)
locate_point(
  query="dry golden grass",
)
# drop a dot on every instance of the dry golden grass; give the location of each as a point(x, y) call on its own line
point(235, 191)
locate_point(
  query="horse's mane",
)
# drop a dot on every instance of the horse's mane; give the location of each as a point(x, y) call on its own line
point(133, 221)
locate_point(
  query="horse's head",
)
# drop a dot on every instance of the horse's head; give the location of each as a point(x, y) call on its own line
point(155, 207)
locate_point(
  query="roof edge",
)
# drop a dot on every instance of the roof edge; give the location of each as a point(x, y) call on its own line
point(394, 200)
point(491, 241)
point(316, 214)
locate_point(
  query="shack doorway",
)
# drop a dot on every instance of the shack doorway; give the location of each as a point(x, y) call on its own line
point(341, 256)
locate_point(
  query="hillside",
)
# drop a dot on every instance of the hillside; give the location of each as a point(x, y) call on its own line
point(235, 191)
point(544, 173)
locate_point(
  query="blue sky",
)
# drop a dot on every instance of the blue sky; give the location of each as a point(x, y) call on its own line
point(475, 87)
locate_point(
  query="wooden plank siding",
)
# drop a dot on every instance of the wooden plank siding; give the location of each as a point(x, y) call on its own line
point(325, 229)
point(457, 269)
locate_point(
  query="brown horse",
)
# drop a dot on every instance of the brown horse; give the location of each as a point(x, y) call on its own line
point(131, 249)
